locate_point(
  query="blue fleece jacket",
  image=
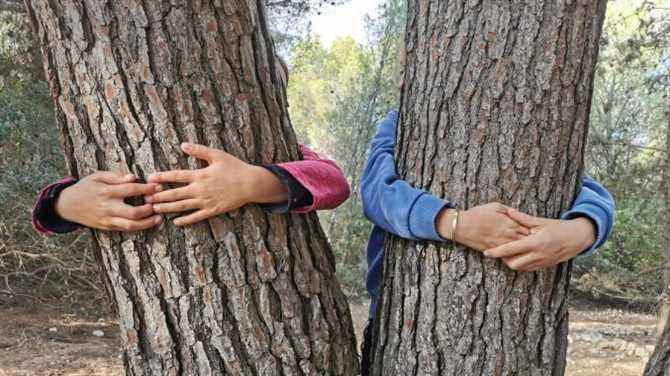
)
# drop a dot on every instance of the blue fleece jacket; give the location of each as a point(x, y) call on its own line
point(396, 207)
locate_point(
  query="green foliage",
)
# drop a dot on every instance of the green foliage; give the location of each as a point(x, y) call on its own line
point(633, 256)
point(627, 151)
point(337, 95)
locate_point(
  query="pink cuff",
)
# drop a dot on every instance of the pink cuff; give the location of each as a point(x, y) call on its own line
point(322, 178)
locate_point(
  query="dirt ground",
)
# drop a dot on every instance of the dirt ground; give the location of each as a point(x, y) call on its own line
point(56, 343)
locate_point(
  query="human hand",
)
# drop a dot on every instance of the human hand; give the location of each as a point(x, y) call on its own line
point(552, 241)
point(96, 201)
point(226, 184)
point(482, 227)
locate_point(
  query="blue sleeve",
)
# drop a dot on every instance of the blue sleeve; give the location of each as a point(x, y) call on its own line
point(390, 202)
point(595, 203)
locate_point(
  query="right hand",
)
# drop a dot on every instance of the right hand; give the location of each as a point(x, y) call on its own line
point(96, 201)
point(482, 227)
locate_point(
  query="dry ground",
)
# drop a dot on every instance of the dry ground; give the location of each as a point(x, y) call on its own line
point(53, 342)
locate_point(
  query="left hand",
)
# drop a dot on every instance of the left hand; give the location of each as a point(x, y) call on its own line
point(225, 185)
point(551, 242)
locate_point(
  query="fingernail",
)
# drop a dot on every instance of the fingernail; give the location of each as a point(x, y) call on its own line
point(158, 219)
point(185, 146)
point(130, 176)
point(487, 254)
point(147, 199)
point(159, 188)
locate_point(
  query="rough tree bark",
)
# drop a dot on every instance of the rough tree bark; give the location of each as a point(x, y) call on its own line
point(659, 362)
point(495, 106)
point(246, 293)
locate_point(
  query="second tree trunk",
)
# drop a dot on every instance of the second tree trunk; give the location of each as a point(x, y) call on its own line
point(495, 107)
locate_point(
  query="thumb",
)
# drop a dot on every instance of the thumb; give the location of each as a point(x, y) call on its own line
point(524, 219)
point(110, 177)
point(200, 151)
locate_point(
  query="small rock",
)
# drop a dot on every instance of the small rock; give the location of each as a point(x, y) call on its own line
point(98, 333)
point(53, 330)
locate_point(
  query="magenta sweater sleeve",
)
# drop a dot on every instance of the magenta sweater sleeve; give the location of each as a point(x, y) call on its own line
point(321, 177)
point(45, 219)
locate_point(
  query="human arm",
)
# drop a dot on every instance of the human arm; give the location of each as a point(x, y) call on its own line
point(228, 183)
point(580, 231)
point(397, 207)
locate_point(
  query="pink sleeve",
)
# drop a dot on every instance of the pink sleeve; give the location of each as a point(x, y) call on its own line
point(321, 177)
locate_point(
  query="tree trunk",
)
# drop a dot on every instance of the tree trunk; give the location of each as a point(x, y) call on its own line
point(659, 362)
point(248, 293)
point(495, 106)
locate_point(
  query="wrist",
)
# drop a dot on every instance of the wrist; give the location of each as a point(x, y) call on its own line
point(445, 223)
point(586, 231)
point(265, 187)
point(62, 206)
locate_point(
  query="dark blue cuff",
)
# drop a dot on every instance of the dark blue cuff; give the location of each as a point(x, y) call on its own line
point(298, 195)
point(423, 217)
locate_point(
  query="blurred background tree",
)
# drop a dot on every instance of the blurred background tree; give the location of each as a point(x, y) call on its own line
point(58, 269)
point(626, 152)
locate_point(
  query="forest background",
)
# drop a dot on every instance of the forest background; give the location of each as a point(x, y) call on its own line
point(338, 92)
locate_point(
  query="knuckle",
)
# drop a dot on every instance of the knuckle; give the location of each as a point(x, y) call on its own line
point(199, 190)
point(105, 191)
point(201, 174)
point(123, 191)
point(105, 223)
point(535, 244)
point(135, 213)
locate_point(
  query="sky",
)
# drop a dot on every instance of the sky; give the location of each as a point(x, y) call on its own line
point(343, 20)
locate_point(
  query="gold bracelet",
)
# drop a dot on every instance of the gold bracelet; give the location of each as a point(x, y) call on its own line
point(454, 225)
